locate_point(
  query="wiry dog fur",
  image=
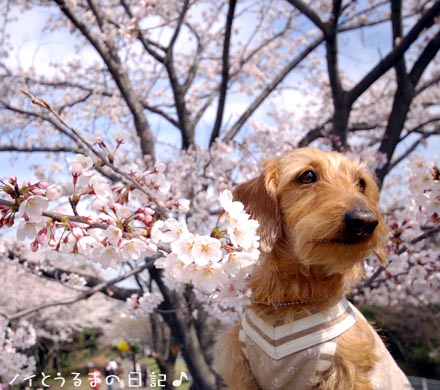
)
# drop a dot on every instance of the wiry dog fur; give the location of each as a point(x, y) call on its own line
point(307, 255)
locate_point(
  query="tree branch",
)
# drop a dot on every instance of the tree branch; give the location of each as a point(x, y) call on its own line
point(225, 72)
point(103, 160)
point(425, 21)
point(110, 57)
point(427, 85)
point(37, 149)
point(310, 14)
point(192, 72)
point(41, 117)
point(411, 148)
point(146, 43)
point(313, 134)
point(269, 89)
point(178, 28)
point(425, 58)
point(185, 334)
point(100, 287)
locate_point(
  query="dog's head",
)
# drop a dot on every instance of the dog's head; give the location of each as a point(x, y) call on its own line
point(320, 206)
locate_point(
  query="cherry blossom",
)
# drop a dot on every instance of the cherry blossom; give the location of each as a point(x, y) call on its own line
point(80, 164)
point(206, 250)
point(33, 207)
point(212, 264)
point(138, 307)
point(144, 71)
point(28, 229)
point(113, 234)
point(136, 249)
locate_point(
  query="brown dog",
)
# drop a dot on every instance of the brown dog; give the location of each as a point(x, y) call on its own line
point(319, 220)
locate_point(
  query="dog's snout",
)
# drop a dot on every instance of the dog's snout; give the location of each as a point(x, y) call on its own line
point(360, 222)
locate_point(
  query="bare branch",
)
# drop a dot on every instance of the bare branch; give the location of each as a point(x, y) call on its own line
point(146, 43)
point(100, 287)
point(309, 13)
point(38, 149)
point(313, 134)
point(192, 71)
point(270, 88)
point(427, 84)
point(225, 72)
point(40, 117)
point(163, 114)
point(110, 57)
point(425, 21)
point(176, 33)
point(412, 147)
point(425, 58)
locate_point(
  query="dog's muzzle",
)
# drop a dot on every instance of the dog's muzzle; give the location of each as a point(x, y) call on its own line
point(359, 224)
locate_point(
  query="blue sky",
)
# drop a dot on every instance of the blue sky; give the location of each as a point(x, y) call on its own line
point(32, 47)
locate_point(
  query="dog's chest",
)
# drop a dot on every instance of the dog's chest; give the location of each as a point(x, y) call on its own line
point(293, 355)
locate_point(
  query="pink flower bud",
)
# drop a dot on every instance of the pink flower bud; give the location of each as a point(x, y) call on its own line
point(42, 184)
point(34, 246)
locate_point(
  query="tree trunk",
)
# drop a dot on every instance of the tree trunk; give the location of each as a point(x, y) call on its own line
point(174, 312)
point(396, 122)
point(341, 117)
point(163, 345)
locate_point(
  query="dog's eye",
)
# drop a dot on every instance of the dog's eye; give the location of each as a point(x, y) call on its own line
point(361, 185)
point(308, 177)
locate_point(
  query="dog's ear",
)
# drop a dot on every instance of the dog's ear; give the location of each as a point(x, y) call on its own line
point(260, 200)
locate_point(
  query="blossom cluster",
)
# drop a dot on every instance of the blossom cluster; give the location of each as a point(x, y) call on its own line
point(110, 224)
point(413, 272)
point(218, 264)
point(97, 222)
point(138, 307)
point(11, 342)
point(73, 280)
point(424, 186)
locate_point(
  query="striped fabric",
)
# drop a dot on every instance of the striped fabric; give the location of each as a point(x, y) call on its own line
point(293, 355)
point(283, 340)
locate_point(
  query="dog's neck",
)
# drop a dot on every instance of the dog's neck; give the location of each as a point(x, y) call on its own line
point(282, 283)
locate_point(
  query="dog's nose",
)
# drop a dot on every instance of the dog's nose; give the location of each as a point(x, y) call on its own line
point(360, 222)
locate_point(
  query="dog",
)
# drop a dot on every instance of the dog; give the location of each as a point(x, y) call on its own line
point(319, 219)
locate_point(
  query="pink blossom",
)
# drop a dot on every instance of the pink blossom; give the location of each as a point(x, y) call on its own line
point(206, 250)
point(53, 192)
point(168, 231)
point(73, 280)
point(209, 277)
point(28, 229)
point(244, 233)
point(122, 211)
point(183, 247)
point(107, 256)
point(135, 248)
point(113, 234)
point(100, 186)
point(24, 336)
point(86, 243)
point(234, 209)
point(33, 207)
point(79, 164)
point(148, 302)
